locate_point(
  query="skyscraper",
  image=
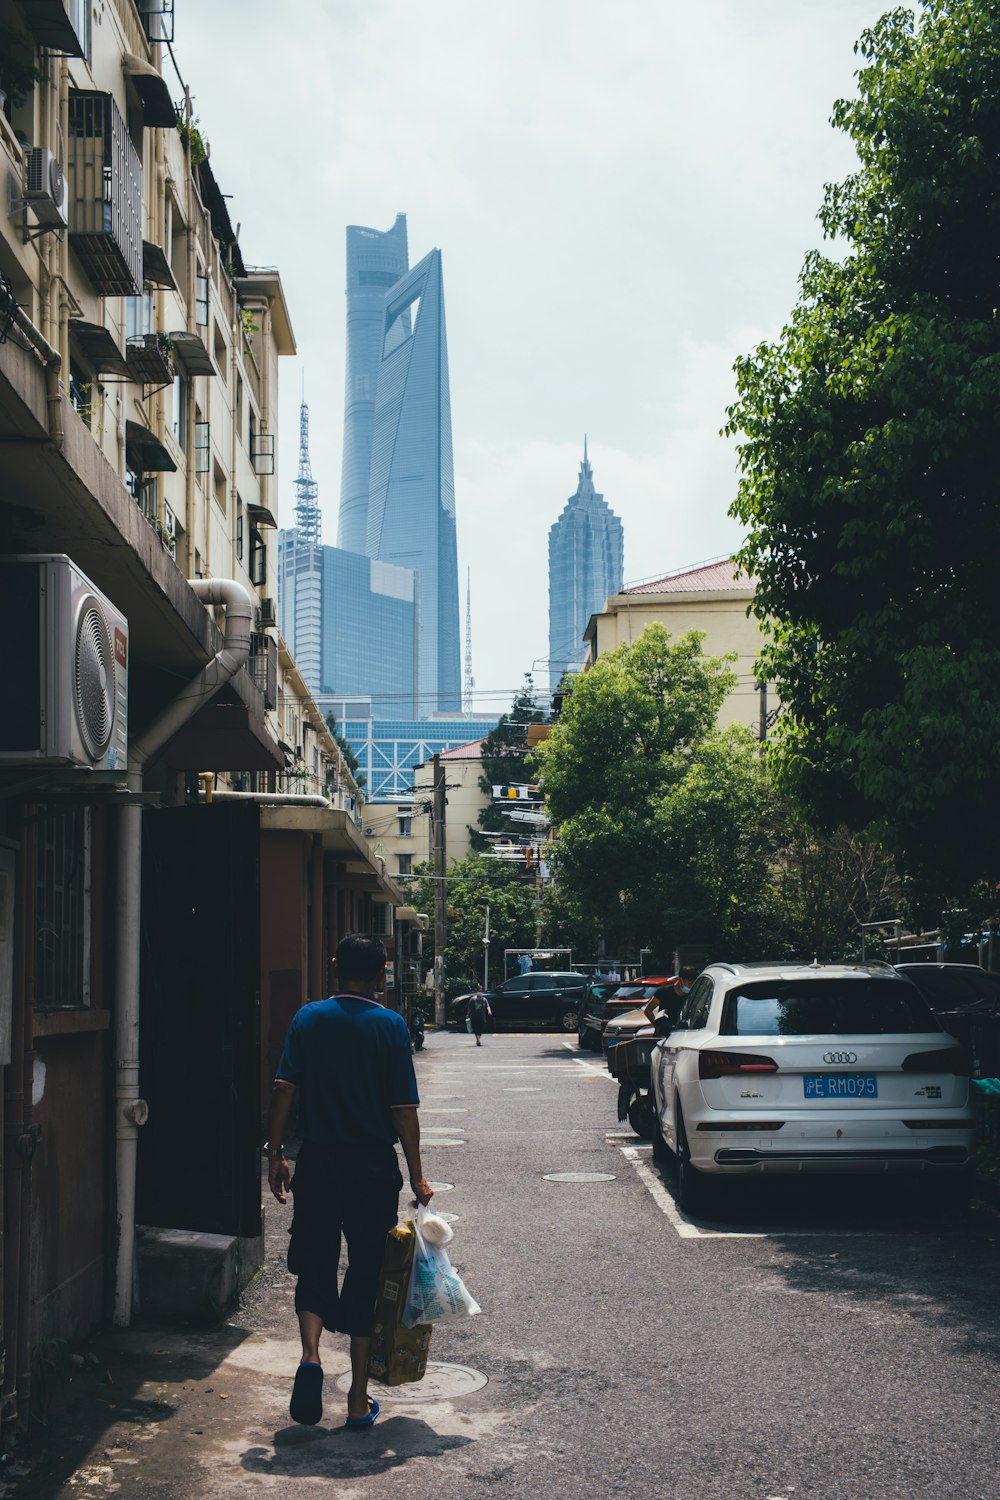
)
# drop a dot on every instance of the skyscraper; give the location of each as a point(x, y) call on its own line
point(586, 561)
point(411, 491)
point(376, 260)
point(348, 619)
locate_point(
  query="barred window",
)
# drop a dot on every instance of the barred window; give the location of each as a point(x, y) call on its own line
point(62, 908)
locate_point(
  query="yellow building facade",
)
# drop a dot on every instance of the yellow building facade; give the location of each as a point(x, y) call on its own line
point(714, 599)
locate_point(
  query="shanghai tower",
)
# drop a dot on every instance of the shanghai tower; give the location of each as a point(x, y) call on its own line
point(376, 260)
point(398, 493)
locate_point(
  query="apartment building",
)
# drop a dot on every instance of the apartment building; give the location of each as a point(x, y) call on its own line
point(713, 598)
point(180, 839)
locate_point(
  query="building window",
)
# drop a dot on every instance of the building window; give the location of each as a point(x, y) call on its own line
point(62, 909)
point(81, 391)
point(406, 827)
point(405, 864)
point(239, 530)
point(139, 315)
point(201, 299)
point(179, 421)
point(258, 558)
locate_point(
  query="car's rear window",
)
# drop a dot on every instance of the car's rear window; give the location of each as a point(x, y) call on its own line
point(797, 1007)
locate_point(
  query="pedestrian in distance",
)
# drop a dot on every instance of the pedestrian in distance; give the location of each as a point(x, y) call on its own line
point(347, 1061)
point(479, 1014)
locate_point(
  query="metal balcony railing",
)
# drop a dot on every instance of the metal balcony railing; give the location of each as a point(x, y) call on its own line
point(104, 178)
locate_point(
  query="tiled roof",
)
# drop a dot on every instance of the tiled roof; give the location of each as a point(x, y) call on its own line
point(472, 750)
point(710, 576)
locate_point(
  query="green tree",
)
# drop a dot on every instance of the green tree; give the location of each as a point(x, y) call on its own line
point(504, 753)
point(663, 825)
point(868, 458)
point(472, 883)
point(350, 758)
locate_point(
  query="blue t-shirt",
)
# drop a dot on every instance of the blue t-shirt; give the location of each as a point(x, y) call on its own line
point(350, 1060)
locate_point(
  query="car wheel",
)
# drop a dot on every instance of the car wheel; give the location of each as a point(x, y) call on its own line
point(661, 1151)
point(581, 1039)
point(568, 1020)
point(640, 1115)
point(690, 1182)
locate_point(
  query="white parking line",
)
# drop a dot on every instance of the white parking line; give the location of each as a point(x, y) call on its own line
point(590, 1067)
point(685, 1229)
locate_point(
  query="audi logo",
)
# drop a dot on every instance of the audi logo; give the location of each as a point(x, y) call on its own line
point(840, 1057)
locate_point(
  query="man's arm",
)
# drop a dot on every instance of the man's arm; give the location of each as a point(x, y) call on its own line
point(407, 1127)
point(279, 1174)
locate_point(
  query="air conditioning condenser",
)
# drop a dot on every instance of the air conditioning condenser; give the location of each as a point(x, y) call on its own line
point(66, 670)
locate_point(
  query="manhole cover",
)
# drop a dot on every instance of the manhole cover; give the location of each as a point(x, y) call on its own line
point(456, 1110)
point(442, 1187)
point(578, 1176)
point(440, 1383)
point(433, 1140)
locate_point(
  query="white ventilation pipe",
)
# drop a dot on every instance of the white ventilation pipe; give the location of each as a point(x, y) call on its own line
point(131, 1111)
point(271, 799)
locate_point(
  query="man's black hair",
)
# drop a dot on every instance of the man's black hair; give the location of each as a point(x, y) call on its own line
point(689, 971)
point(359, 958)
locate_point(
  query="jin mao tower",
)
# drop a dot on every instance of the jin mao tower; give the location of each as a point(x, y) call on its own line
point(586, 559)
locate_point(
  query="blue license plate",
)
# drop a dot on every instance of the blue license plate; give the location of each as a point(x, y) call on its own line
point(840, 1086)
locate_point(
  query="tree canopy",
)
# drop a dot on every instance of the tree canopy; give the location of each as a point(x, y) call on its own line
point(868, 461)
point(472, 883)
point(663, 824)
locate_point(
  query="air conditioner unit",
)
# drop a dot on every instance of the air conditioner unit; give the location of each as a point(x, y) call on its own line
point(267, 615)
point(67, 680)
point(46, 190)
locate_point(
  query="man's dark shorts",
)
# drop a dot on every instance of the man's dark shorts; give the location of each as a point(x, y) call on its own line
point(349, 1191)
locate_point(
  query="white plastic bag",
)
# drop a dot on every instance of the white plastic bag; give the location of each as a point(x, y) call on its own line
point(436, 1290)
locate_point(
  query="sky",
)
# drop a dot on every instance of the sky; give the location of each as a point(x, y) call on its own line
point(623, 196)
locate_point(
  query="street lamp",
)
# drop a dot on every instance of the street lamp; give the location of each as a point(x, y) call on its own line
point(486, 950)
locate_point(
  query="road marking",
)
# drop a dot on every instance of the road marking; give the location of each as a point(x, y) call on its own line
point(679, 1222)
point(686, 1230)
point(590, 1067)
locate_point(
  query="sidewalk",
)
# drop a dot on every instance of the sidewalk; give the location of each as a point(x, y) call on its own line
point(205, 1412)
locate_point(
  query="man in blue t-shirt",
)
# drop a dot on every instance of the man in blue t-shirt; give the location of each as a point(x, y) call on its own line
point(348, 1060)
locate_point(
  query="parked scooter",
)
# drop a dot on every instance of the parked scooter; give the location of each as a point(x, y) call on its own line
point(417, 1028)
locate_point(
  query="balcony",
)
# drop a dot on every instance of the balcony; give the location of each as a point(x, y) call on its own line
point(149, 361)
point(105, 195)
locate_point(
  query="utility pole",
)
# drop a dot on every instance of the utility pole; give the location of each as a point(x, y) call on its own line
point(762, 690)
point(486, 950)
point(440, 936)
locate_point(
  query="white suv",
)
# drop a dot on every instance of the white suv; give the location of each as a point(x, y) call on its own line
point(809, 1068)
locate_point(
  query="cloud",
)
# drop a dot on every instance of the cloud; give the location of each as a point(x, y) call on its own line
point(623, 196)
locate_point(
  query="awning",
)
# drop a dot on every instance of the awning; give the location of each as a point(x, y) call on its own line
point(261, 516)
point(155, 267)
point(144, 453)
point(191, 351)
point(157, 105)
point(215, 201)
point(98, 347)
point(51, 27)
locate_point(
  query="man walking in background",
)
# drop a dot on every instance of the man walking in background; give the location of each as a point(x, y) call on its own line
point(348, 1061)
point(479, 1012)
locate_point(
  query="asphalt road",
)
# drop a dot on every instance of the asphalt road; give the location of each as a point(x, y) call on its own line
point(827, 1343)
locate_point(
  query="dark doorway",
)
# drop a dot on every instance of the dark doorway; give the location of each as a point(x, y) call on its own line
point(199, 1039)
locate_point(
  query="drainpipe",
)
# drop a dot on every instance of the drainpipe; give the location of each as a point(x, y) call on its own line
point(132, 1111)
point(51, 364)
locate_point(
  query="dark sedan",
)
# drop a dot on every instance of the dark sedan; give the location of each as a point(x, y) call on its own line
point(538, 998)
